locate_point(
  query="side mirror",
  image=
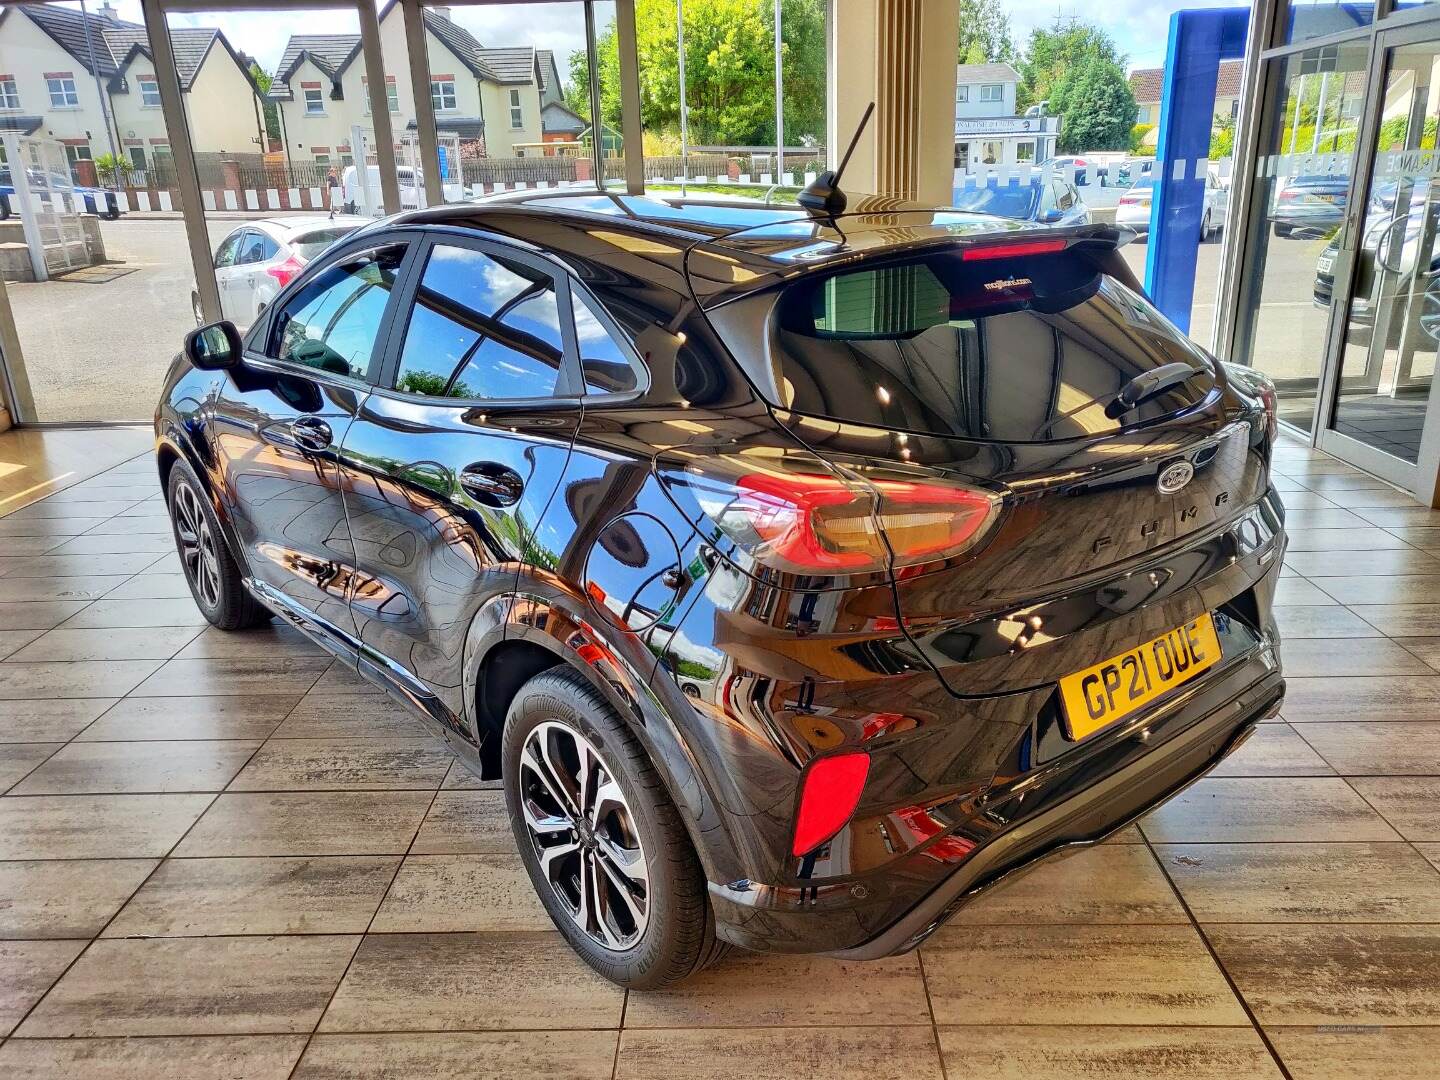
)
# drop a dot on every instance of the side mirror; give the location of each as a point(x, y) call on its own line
point(214, 347)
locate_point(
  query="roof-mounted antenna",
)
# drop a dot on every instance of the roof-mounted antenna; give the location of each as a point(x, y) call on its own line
point(822, 196)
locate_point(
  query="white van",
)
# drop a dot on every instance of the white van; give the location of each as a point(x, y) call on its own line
point(412, 189)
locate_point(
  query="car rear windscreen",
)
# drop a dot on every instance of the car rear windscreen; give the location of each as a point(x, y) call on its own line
point(308, 245)
point(1009, 200)
point(1024, 348)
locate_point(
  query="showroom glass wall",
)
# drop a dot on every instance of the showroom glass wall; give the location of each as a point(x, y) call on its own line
point(204, 120)
point(1335, 291)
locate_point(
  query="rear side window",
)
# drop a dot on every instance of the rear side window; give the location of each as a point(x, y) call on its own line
point(308, 245)
point(333, 321)
point(258, 247)
point(483, 326)
point(1029, 348)
point(606, 364)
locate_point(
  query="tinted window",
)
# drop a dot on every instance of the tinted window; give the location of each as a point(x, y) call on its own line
point(333, 321)
point(482, 327)
point(605, 363)
point(310, 244)
point(1022, 349)
point(225, 256)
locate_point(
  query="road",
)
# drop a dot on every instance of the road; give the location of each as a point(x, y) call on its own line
point(100, 351)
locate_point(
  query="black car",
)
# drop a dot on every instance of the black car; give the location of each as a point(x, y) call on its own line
point(801, 576)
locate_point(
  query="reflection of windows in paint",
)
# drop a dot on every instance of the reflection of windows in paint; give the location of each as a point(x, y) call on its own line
point(149, 91)
point(1025, 151)
point(63, 94)
point(314, 100)
point(992, 92)
point(9, 93)
point(517, 114)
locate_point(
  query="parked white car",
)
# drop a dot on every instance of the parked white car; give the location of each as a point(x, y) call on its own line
point(258, 258)
point(1133, 210)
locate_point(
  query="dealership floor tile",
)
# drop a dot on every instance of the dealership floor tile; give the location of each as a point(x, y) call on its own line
point(224, 855)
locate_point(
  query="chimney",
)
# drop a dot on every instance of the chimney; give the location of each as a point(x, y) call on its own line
point(443, 10)
point(107, 11)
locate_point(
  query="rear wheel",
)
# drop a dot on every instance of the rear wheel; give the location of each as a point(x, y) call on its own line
point(210, 571)
point(600, 838)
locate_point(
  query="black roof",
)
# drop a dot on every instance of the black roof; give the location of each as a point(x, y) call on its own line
point(728, 247)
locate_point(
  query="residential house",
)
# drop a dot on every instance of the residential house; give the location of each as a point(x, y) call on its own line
point(1146, 83)
point(987, 129)
point(89, 82)
point(492, 96)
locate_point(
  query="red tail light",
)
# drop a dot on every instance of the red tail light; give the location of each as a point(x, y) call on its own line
point(1012, 250)
point(817, 524)
point(285, 272)
point(828, 796)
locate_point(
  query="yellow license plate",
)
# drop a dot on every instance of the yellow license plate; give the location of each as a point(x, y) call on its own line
point(1115, 688)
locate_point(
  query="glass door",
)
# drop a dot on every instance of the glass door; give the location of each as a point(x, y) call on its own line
point(1375, 409)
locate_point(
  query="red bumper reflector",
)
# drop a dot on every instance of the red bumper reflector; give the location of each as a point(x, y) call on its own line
point(830, 793)
point(1013, 250)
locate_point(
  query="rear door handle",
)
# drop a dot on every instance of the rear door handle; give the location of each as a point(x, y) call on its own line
point(311, 432)
point(492, 483)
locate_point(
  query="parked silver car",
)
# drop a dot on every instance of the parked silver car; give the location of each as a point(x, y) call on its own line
point(258, 258)
point(1133, 210)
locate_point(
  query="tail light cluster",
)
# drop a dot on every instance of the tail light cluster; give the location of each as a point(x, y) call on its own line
point(812, 520)
point(285, 272)
point(828, 797)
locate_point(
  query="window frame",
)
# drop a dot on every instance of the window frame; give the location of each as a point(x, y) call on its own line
point(305, 92)
point(999, 96)
point(259, 342)
point(65, 94)
point(517, 108)
point(152, 83)
point(569, 386)
point(437, 100)
point(962, 94)
point(9, 99)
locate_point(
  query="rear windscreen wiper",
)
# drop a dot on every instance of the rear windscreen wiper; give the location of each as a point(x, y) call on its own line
point(1148, 384)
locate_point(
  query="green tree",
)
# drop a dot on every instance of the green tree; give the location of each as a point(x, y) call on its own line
point(271, 109)
point(985, 34)
point(1058, 50)
point(1096, 107)
point(729, 70)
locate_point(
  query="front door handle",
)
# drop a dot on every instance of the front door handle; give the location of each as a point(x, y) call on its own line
point(492, 483)
point(311, 433)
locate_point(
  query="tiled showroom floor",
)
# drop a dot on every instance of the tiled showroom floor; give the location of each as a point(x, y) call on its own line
point(225, 846)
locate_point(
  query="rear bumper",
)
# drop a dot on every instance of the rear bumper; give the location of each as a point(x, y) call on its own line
point(1078, 800)
point(1086, 816)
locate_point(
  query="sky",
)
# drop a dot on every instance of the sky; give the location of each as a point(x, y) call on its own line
point(1139, 27)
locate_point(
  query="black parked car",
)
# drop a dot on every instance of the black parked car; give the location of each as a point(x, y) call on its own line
point(800, 576)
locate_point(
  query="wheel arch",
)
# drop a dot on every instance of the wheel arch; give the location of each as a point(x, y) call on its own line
point(546, 631)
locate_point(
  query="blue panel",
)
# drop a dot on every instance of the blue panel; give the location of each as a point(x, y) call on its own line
point(1199, 40)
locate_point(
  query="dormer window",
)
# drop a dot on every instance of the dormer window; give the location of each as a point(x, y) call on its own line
point(314, 99)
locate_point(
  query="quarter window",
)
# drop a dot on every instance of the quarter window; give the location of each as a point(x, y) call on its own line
point(149, 91)
point(333, 321)
point(9, 93)
point(442, 92)
point(605, 363)
point(482, 327)
point(63, 94)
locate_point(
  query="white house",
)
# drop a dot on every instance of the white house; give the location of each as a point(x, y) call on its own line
point(50, 58)
point(494, 94)
point(987, 129)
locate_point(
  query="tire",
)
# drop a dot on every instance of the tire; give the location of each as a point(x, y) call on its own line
point(1205, 229)
point(666, 933)
point(209, 568)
